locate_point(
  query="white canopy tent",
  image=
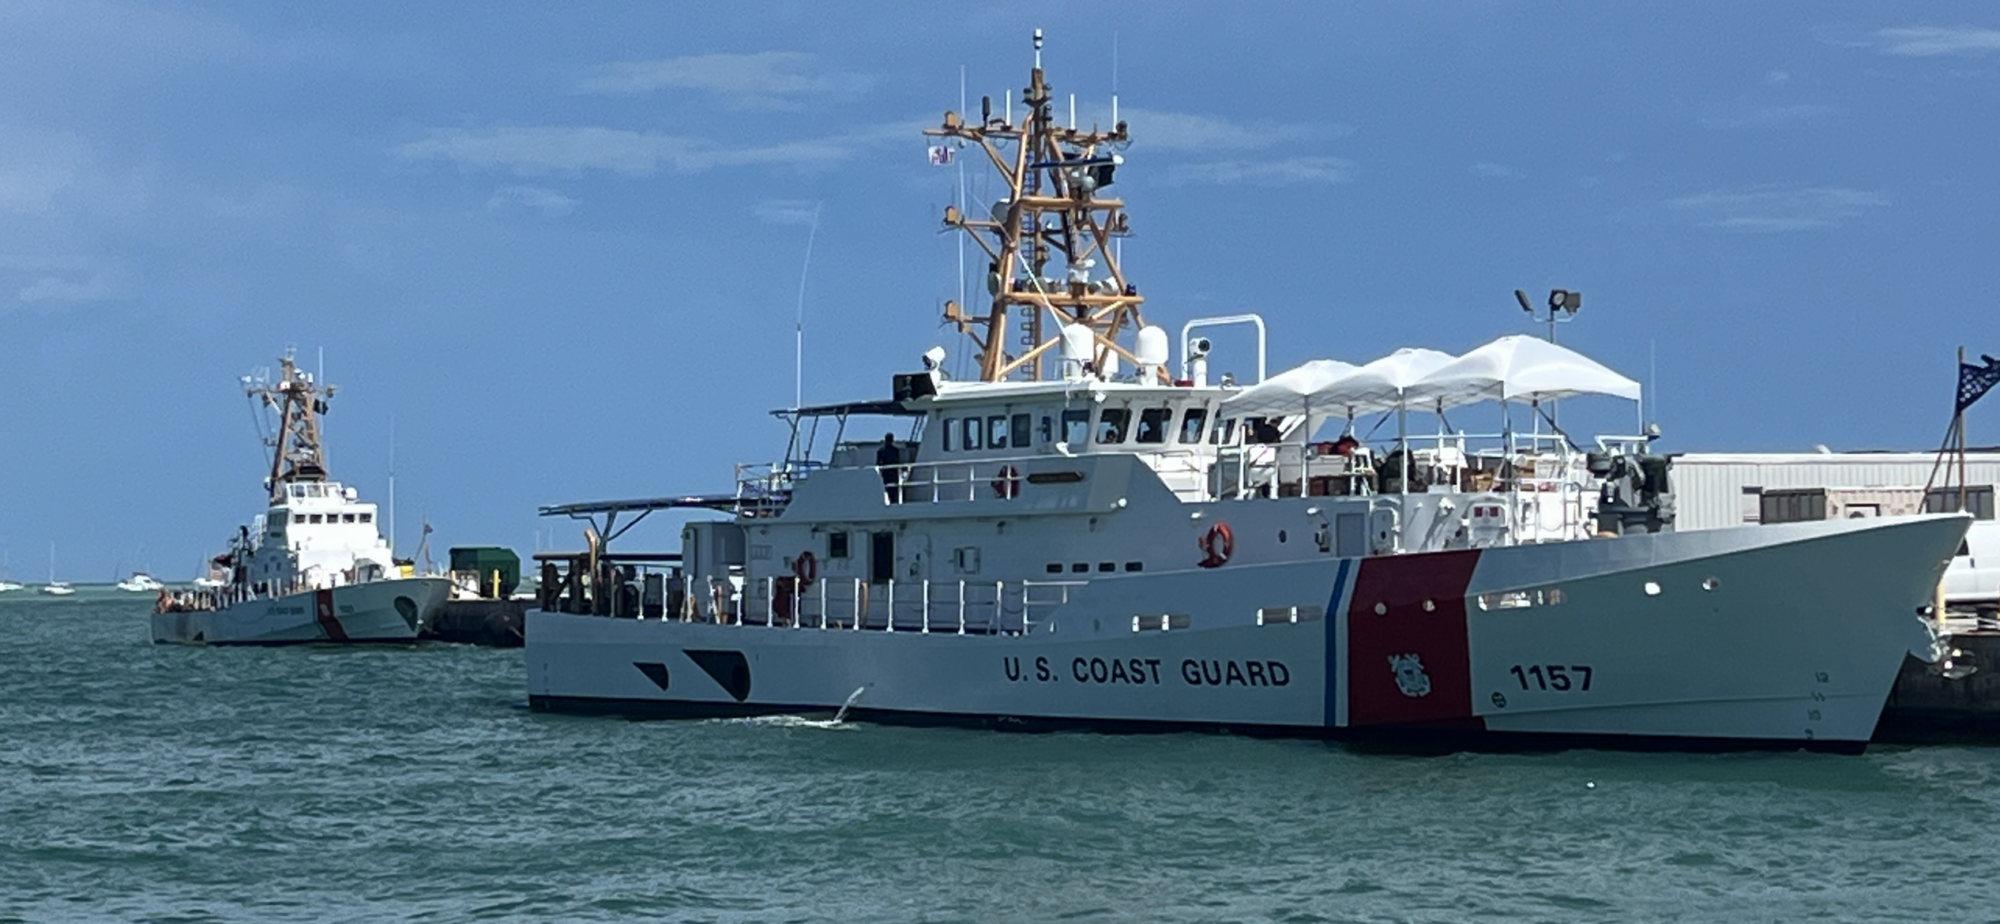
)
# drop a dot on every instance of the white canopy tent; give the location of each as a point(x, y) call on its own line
point(1381, 385)
point(1293, 391)
point(1518, 367)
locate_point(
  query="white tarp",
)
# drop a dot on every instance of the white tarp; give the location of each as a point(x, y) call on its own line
point(1379, 385)
point(1517, 367)
point(1292, 391)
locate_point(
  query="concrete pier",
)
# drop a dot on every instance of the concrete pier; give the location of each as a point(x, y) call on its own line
point(479, 622)
point(1925, 706)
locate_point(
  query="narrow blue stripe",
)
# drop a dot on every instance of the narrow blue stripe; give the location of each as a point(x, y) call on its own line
point(1332, 671)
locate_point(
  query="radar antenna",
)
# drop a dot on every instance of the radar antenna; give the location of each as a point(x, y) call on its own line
point(1049, 243)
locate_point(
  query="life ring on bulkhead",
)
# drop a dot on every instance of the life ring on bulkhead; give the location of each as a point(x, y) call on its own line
point(805, 568)
point(1006, 483)
point(1216, 546)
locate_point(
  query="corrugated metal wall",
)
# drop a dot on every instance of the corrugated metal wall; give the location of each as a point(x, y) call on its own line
point(1709, 487)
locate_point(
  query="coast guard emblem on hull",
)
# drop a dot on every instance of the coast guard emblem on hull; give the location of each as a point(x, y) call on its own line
point(1410, 676)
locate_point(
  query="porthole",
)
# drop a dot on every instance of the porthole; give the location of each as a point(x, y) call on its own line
point(1381, 609)
point(1710, 583)
point(1430, 606)
point(1652, 588)
point(1281, 535)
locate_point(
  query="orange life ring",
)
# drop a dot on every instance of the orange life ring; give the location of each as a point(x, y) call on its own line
point(805, 568)
point(1216, 546)
point(1006, 483)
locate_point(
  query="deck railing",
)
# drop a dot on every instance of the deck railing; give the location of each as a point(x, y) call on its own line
point(957, 607)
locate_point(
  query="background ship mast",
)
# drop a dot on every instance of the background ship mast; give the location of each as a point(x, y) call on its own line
point(1051, 262)
point(295, 447)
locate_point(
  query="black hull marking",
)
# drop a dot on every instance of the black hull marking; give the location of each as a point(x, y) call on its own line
point(1383, 740)
point(283, 643)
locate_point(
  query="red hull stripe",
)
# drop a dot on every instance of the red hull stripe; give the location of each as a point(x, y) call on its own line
point(323, 613)
point(1408, 660)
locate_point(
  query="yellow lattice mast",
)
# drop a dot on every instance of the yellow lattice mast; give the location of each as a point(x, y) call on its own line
point(1051, 261)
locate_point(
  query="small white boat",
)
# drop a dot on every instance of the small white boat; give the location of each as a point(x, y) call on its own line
point(8, 585)
point(141, 583)
point(55, 588)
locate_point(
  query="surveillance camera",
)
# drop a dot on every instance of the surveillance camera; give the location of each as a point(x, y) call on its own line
point(1199, 346)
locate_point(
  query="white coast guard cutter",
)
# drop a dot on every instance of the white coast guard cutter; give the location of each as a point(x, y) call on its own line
point(1058, 544)
point(313, 567)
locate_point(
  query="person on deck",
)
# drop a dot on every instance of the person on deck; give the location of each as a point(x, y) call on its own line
point(889, 459)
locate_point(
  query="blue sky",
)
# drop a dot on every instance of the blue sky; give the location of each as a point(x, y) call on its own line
point(561, 246)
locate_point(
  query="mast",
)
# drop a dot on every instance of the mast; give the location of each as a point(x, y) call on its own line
point(1051, 261)
point(298, 400)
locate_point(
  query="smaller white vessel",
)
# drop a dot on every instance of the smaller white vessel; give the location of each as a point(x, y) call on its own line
point(55, 588)
point(141, 582)
point(6, 574)
point(312, 567)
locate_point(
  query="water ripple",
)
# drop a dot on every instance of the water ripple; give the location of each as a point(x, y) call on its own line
point(174, 784)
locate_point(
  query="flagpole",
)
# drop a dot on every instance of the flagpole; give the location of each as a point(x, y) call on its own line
point(1958, 420)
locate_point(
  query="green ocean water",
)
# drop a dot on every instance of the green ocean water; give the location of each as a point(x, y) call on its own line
point(142, 783)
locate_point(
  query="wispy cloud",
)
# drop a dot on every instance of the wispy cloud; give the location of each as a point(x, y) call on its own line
point(61, 289)
point(1770, 209)
point(799, 212)
point(1275, 172)
point(1495, 171)
point(37, 166)
point(548, 202)
point(1154, 129)
point(1933, 41)
point(764, 80)
point(536, 150)
point(1771, 117)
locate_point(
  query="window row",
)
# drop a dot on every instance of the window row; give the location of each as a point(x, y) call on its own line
point(1111, 426)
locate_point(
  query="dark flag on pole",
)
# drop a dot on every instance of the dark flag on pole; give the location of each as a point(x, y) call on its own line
point(1975, 381)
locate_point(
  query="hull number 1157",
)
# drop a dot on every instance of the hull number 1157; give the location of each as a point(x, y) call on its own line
point(1575, 677)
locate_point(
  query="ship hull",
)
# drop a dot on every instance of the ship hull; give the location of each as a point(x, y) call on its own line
point(1782, 636)
point(377, 611)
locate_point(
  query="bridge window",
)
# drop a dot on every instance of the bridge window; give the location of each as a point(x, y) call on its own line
point(1020, 428)
point(1153, 424)
point(969, 434)
point(347, 518)
point(367, 517)
point(948, 422)
point(1111, 424)
point(1191, 424)
point(1076, 426)
point(996, 431)
point(836, 544)
point(1225, 432)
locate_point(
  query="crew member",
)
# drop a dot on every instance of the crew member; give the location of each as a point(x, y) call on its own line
point(889, 459)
